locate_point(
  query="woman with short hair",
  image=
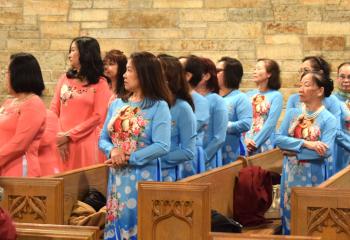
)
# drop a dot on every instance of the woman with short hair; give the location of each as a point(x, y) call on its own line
point(22, 118)
point(230, 72)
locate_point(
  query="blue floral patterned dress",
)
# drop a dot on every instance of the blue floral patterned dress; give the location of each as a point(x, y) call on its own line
point(306, 168)
point(144, 133)
point(267, 107)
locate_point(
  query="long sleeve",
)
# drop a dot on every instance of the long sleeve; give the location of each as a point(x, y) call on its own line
point(244, 115)
point(105, 143)
point(185, 150)
point(282, 140)
point(55, 105)
point(160, 131)
point(101, 99)
point(271, 121)
point(31, 119)
point(219, 123)
point(51, 129)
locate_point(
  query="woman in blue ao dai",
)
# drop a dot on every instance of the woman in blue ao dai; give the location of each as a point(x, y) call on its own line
point(135, 135)
point(343, 136)
point(178, 162)
point(193, 76)
point(229, 73)
point(306, 137)
point(331, 103)
point(267, 104)
point(204, 81)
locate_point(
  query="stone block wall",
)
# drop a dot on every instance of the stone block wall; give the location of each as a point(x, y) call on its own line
point(285, 30)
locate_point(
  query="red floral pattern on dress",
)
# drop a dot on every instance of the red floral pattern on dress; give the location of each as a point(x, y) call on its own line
point(261, 108)
point(114, 207)
point(304, 128)
point(126, 127)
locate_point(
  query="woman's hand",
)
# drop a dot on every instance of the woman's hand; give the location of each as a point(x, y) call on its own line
point(118, 158)
point(317, 146)
point(63, 145)
point(251, 145)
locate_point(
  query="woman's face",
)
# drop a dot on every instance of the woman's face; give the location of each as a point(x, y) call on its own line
point(260, 74)
point(343, 78)
point(74, 56)
point(308, 90)
point(8, 82)
point(131, 81)
point(220, 66)
point(111, 70)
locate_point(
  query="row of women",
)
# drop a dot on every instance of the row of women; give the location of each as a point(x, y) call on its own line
point(162, 118)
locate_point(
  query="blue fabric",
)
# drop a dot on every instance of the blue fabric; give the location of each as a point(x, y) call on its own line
point(151, 141)
point(183, 142)
point(215, 134)
point(307, 168)
point(202, 117)
point(332, 104)
point(239, 120)
point(267, 108)
point(343, 135)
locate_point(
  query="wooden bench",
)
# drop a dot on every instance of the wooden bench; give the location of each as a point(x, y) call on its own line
point(324, 210)
point(235, 236)
point(181, 210)
point(40, 206)
point(30, 231)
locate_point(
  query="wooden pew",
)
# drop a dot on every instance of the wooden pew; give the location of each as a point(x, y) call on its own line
point(181, 210)
point(324, 210)
point(49, 200)
point(235, 236)
point(30, 231)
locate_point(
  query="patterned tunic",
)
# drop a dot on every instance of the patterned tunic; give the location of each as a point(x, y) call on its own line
point(145, 135)
point(307, 168)
point(267, 107)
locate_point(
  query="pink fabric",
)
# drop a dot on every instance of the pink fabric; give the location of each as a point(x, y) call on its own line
point(21, 126)
point(81, 109)
point(50, 162)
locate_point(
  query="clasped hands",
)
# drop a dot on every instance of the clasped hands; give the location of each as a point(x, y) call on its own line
point(118, 158)
point(63, 145)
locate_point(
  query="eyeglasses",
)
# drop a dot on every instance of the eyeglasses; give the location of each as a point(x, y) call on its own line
point(343, 77)
point(218, 70)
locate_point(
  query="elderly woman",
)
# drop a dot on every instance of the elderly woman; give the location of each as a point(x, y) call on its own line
point(306, 136)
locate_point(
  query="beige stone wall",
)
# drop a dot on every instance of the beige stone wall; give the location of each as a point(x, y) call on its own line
point(285, 30)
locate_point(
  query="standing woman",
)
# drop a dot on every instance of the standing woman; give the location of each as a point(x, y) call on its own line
point(22, 118)
point(267, 104)
point(80, 102)
point(306, 135)
point(214, 135)
point(331, 103)
point(230, 73)
point(177, 163)
point(193, 74)
point(114, 68)
point(135, 134)
point(343, 95)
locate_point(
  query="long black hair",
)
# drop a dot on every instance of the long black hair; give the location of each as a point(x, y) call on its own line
point(90, 60)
